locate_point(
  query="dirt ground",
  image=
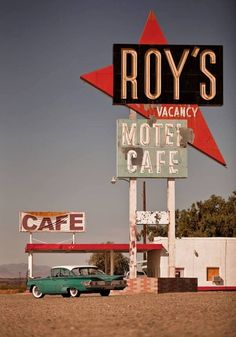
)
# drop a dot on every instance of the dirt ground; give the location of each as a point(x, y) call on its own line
point(143, 315)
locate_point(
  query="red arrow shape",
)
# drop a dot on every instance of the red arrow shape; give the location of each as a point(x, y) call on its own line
point(102, 79)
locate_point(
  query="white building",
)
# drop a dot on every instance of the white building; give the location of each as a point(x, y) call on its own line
point(211, 260)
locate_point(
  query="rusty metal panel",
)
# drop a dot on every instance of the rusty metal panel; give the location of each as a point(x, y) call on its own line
point(152, 218)
point(52, 222)
point(152, 148)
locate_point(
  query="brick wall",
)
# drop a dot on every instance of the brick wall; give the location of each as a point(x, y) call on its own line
point(160, 285)
point(171, 285)
point(139, 285)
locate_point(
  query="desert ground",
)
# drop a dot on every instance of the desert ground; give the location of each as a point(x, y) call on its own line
point(143, 315)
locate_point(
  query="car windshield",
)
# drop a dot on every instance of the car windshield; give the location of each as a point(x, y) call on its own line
point(87, 271)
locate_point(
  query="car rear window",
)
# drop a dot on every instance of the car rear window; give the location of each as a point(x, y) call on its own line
point(85, 271)
point(60, 272)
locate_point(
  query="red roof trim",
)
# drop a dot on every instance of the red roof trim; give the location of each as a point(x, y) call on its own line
point(216, 288)
point(84, 247)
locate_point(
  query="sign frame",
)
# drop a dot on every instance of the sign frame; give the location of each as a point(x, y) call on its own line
point(168, 74)
point(139, 155)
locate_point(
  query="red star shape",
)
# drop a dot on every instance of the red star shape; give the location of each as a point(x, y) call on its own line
point(102, 79)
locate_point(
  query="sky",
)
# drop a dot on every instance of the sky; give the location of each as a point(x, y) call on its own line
point(58, 134)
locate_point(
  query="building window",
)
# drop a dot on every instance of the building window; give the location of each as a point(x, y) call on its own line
point(179, 272)
point(211, 272)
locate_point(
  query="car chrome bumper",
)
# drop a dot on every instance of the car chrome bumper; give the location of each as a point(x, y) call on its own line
point(114, 285)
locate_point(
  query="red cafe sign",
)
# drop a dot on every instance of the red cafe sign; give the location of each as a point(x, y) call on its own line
point(52, 222)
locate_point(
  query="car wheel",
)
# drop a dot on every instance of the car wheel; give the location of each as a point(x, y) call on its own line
point(74, 292)
point(65, 295)
point(105, 292)
point(37, 292)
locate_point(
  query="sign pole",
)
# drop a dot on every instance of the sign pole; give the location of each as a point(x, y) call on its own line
point(171, 227)
point(30, 265)
point(132, 220)
point(144, 226)
point(30, 259)
point(112, 262)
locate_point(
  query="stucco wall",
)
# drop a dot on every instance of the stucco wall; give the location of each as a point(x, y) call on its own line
point(196, 254)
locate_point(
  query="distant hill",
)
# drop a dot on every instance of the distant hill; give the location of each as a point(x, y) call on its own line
point(16, 270)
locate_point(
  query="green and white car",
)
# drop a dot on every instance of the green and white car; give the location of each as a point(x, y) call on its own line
point(71, 281)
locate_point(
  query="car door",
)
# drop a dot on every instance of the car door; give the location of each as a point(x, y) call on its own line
point(53, 285)
point(64, 280)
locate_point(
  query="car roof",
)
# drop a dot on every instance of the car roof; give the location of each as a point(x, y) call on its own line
point(70, 267)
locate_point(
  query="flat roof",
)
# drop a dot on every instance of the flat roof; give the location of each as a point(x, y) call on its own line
point(88, 247)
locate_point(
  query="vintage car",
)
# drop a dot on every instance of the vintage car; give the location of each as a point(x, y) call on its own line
point(71, 281)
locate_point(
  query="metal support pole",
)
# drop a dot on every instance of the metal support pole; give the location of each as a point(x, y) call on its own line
point(73, 238)
point(132, 219)
point(144, 226)
point(171, 228)
point(106, 262)
point(30, 259)
point(132, 228)
point(112, 262)
point(30, 265)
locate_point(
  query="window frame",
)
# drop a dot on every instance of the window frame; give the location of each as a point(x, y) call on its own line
point(215, 271)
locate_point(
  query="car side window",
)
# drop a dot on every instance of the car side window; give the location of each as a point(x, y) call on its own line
point(84, 271)
point(60, 272)
point(55, 272)
point(64, 273)
point(75, 272)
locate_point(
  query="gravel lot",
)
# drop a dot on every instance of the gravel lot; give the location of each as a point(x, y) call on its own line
point(149, 315)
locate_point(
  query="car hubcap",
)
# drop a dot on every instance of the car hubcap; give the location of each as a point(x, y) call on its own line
point(37, 292)
point(73, 292)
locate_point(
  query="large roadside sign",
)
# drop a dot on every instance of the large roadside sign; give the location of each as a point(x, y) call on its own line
point(164, 84)
point(151, 149)
point(169, 74)
point(103, 80)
